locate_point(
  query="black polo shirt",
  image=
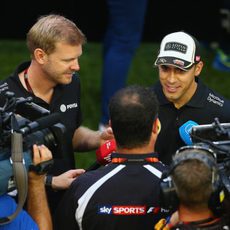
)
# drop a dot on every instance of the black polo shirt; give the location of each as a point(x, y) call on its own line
point(203, 107)
point(117, 196)
point(65, 101)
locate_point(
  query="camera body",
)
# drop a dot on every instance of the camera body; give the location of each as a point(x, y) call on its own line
point(36, 125)
point(216, 136)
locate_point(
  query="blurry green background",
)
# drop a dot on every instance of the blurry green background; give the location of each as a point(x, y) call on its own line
point(13, 52)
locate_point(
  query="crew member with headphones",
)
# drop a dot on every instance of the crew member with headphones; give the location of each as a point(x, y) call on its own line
point(192, 187)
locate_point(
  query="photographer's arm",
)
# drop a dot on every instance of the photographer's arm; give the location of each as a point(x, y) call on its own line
point(37, 205)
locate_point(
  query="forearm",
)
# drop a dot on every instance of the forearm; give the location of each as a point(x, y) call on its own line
point(64, 180)
point(37, 205)
point(85, 139)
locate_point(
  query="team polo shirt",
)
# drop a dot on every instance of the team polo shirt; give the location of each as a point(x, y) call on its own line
point(121, 195)
point(65, 101)
point(204, 106)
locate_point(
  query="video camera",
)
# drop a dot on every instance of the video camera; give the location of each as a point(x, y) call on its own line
point(36, 125)
point(216, 136)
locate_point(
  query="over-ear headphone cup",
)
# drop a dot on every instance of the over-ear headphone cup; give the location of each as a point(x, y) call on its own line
point(216, 199)
point(168, 196)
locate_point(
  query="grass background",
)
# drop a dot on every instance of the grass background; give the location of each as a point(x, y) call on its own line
point(13, 52)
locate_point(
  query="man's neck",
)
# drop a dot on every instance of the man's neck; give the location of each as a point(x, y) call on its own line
point(38, 82)
point(191, 215)
point(140, 150)
point(187, 97)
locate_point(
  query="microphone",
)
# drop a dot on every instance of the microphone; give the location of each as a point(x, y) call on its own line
point(103, 154)
point(185, 131)
point(26, 108)
point(41, 123)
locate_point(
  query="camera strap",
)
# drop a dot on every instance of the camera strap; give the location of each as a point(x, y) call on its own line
point(20, 175)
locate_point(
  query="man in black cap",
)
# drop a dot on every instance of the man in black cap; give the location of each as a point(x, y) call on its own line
point(184, 100)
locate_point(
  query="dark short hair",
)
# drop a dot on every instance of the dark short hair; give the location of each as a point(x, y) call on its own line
point(132, 112)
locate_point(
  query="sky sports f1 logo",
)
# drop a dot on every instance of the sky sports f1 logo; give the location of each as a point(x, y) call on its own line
point(122, 210)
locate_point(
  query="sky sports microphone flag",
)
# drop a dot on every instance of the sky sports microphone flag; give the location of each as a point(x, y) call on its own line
point(185, 131)
point(103, 154)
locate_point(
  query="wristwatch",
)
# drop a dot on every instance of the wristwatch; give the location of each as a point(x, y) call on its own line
point(48, 180)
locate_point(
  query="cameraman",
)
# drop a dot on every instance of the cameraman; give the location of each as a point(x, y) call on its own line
point(38, 216)
point(196, 192)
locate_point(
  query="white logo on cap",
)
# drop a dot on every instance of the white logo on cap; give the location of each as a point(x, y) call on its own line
point(176, 46)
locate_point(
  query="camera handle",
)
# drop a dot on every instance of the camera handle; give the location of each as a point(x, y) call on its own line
point(20, 174)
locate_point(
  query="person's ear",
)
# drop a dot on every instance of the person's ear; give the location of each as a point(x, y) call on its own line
point(198, 68)
point(157, 126)
point(40, 55)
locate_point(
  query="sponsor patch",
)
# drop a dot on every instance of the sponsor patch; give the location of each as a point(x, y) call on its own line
point(105, 210)
point(215, 100)
point(156, 210)
point(162, 60)
point(126, 210)
point(63, 107)
point(176, 46)
point(178, 62)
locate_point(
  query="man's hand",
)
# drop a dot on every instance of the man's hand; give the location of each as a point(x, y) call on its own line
point(106, 135)
point(85, 139)
point(40, 154)
point(37, 205)
point(64, 180)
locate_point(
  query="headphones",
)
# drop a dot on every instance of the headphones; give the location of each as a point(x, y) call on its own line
point(168, 194)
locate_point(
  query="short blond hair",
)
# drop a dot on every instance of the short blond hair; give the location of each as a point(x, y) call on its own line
point(53, 28)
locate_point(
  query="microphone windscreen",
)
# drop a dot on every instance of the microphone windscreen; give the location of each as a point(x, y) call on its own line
point(41, 123)
point(47, 121)
point(103, 153)
point(185, 131)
